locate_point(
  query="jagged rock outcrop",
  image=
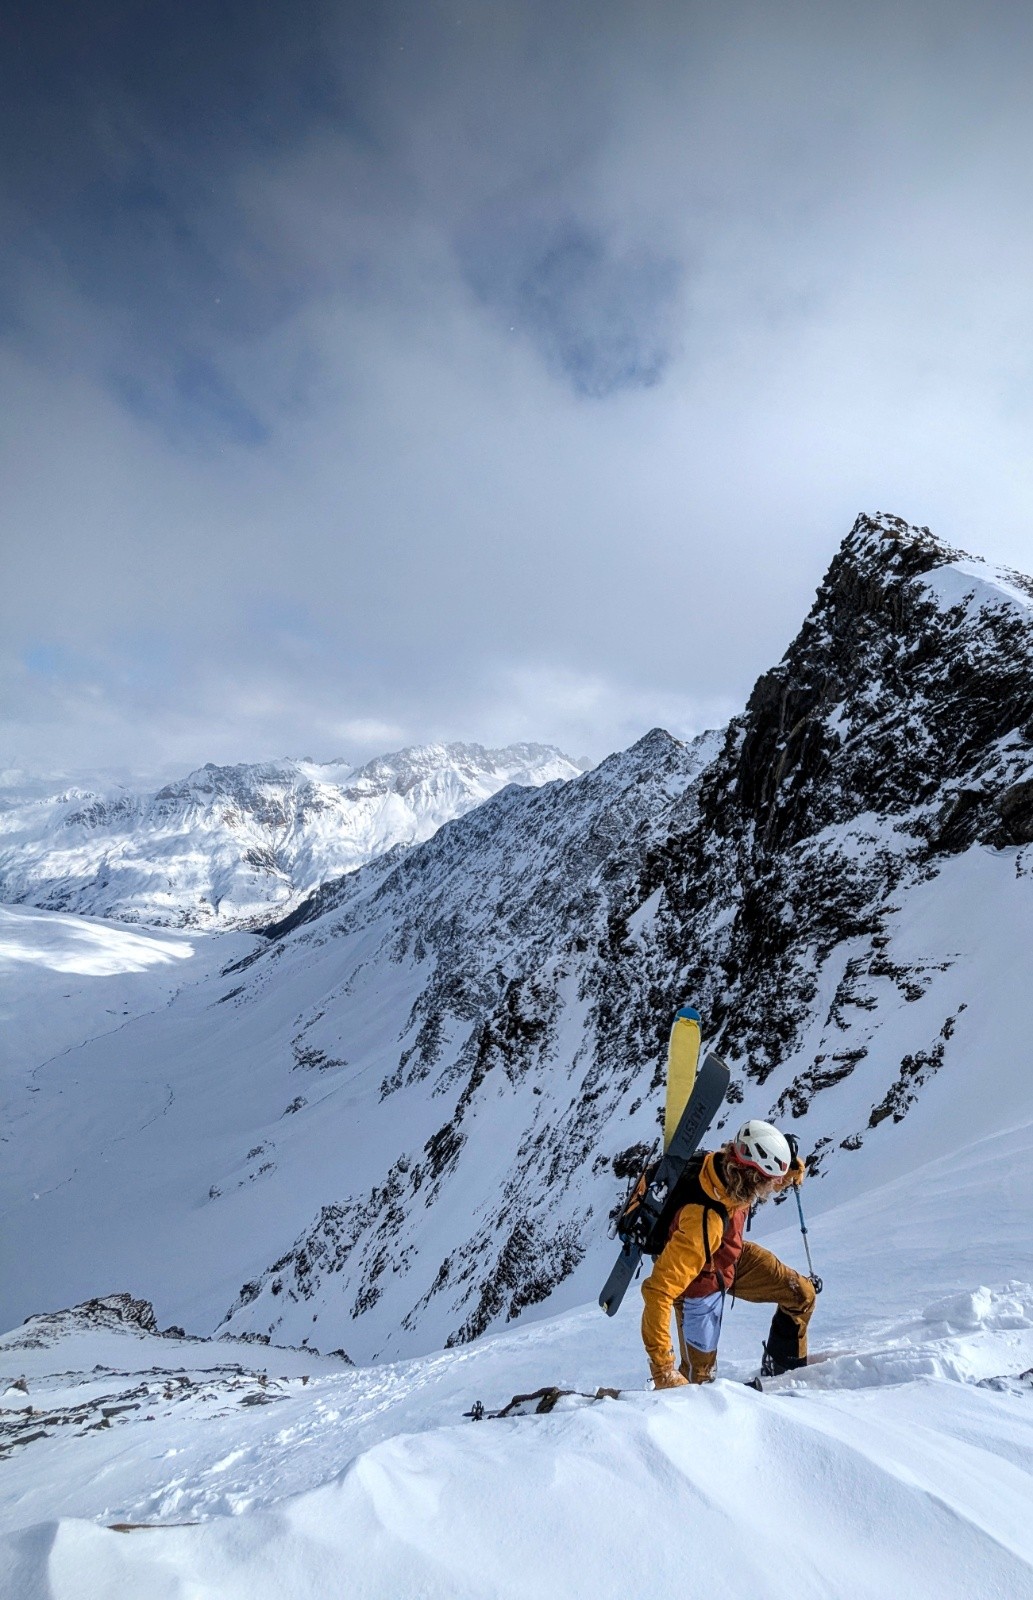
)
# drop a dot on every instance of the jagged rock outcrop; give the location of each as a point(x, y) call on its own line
point(112, 1312)
point(905, 698)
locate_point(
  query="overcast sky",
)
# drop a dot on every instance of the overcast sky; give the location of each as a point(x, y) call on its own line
point(378, 373)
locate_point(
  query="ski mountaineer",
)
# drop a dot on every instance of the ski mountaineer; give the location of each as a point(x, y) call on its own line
point(706, 1258)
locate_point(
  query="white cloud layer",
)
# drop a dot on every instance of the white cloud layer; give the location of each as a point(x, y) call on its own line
point(529, 398)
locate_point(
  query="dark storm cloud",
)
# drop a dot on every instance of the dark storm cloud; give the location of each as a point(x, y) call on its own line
point(380, 372)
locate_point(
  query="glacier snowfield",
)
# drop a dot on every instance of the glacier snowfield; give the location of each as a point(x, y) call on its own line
point(224, 846)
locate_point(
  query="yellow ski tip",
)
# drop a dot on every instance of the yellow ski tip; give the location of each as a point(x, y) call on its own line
point(682, 1061)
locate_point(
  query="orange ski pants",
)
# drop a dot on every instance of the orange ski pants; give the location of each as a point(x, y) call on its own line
point(761, 1278)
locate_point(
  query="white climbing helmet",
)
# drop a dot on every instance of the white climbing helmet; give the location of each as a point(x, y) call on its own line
point(759, 1145)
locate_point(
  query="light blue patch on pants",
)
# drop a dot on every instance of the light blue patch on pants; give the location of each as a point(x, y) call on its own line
point(701, 1320)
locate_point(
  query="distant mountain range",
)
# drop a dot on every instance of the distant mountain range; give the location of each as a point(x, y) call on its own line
point(226, 845)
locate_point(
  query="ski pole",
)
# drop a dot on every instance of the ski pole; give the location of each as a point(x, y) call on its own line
point(803, 1229)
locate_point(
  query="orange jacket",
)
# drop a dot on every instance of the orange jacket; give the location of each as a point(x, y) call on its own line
point(681, 1268)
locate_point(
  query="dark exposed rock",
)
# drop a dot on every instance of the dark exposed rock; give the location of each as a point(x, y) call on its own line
point(109, 1311)
point(630, 1162)
point(1019, 1383)
point(314, 1060)
point(442, 1149)
point(1015, 808)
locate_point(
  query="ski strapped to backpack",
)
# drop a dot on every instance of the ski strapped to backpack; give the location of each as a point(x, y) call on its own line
point(682, 1063)
point(687, 1190)
point(654, 1199)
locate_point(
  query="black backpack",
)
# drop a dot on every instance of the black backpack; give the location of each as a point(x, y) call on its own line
point(687, 1190)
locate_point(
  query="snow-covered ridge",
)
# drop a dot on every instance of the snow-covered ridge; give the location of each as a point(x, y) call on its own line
point(976, 584)
point(225, 845)
point(902, 1462)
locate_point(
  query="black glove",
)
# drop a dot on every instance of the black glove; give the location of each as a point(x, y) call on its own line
point(794, 1146)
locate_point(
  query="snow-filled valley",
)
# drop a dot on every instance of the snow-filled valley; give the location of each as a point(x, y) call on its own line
point(389, 1128)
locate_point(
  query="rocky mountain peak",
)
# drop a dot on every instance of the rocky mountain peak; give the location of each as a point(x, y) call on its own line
point(885, 652)
point(403, 770)
point(888, 543)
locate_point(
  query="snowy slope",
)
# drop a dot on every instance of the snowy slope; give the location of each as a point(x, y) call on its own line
point(403, 1119)
point(904, 1465)
point(65, 979)
point(227, 844)
point(206, 1130)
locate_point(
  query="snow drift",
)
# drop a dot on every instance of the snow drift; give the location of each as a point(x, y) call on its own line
point(902, 1465)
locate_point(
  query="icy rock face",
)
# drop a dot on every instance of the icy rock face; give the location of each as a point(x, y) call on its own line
point(549, 936)
point(227, 844)
point(897, 728)
point(506, 917)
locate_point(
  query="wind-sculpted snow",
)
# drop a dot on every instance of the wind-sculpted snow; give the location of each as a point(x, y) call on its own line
point(404, 1119)
point(899, 1462)
point(227, 844)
